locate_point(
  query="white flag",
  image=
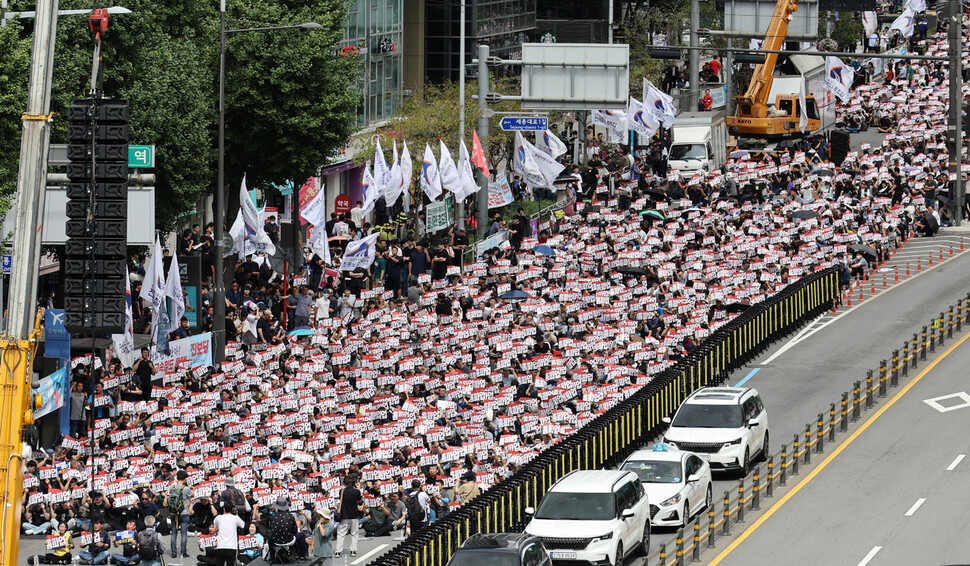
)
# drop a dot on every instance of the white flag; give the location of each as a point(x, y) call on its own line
point(371, 191)
point(547, 142)
point(407, 170)
point(448, 171)
point(254, 233)
point(315, 212)
point(838, 77)
point(393, 188)
point(430, 181)
point(173, 290)
point(659, 103)
point(468, 184)
point(803, 120)
point(125, 343)
point(382, 173)
point(549, 167)
point(904, 23)
point(360, 253)
point(642, 120)
point(524, 162)
point(153, 287)
point(870, 22)
point(615, 121)
point(916, 6)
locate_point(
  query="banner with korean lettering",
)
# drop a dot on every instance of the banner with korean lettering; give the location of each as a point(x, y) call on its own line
point(53, 391)
point(439, 215)
point(499, 193)
point(194, 351)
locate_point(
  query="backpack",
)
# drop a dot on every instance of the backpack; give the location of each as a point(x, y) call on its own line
point(147, 545)
point(414, 509)
point(175, 501)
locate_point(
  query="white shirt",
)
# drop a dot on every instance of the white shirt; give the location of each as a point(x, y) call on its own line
point(227, 525)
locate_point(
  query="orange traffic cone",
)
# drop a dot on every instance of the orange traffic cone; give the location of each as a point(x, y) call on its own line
point(896, 271)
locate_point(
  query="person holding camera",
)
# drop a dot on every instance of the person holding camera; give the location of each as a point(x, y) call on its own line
point(227, 540)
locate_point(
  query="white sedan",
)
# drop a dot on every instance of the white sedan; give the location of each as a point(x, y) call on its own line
point(678, 483)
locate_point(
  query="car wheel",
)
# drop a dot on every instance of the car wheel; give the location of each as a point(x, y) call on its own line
point(645, 543)
point(765, 451)
point(746, 463)
point(710, 497)
point(618, 561)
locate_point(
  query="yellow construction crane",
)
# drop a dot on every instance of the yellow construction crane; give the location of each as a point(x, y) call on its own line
point(759, 117)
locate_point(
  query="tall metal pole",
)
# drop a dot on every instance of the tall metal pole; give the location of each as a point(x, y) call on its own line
point(461, 105)
point(219, 286)
point(695, 54)
point(32, 175)
point(609, 24)
point(955, 127)
point(483, 134)
point(729, 77)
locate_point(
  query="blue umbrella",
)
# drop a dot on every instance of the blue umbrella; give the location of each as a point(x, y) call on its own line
point(545, 250)
point(301, 331)
point(514, 295)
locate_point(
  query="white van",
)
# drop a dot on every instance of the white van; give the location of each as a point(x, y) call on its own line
point(698, 142)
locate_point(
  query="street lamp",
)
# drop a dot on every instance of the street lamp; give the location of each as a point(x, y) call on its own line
point(219, 213)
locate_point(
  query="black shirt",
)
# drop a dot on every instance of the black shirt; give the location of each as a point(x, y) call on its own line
point(144, 374)
point(349, 500)
point(267, 329)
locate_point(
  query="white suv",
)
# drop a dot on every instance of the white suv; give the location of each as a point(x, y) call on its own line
point(727, 426)
point(594, 516)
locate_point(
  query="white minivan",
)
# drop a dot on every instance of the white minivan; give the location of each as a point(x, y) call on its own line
point(593, 516)
point(727, 426)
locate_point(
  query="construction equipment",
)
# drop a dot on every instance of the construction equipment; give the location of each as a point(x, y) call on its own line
point(764, 112)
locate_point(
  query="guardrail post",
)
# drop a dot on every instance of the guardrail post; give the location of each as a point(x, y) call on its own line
point(663, 555)
point(783, 467)
point(808, 444)
point(769, 488)
point(949, 323)
point(679, 560)
point(939, 327)
point(710, 526)
point(794, 460)
point(882, 378)
point(696, 552)
point(922, 353)
point(819, 434)
point(832, 422)
point(905, 360)
point(727, 515)
point(855, 402)
point(844, 423)
point(868, 389)
point(741, 501)
point(959, 316)
point(894, 376)
point(756, 488)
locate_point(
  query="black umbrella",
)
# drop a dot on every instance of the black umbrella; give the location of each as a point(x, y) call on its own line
point(630, 270)
point(804, 214)
point(825, 173)
point(736, 307)
point(931, 222)
point(592, 208)
point(515, 295)
point(862, 248)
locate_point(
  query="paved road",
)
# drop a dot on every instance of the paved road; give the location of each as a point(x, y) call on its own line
point(895, 494)
point(799, 376)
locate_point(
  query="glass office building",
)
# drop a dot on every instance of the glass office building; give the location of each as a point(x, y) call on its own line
point(376, 27)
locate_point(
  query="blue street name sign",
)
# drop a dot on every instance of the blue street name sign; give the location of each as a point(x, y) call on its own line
point(524, 123)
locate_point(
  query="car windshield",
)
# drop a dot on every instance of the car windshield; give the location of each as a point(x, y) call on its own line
point(655, 472)
point(577, 506)
point(697, 415)
point(483, 558)
point(688, 151)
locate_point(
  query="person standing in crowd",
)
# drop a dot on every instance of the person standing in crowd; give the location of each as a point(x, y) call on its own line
point(179, 502)
point(227, 541)
point(144, 370)
point(323, 535)
point(350, 506)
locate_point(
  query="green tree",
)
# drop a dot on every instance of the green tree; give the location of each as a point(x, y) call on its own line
point(290, 101)
point(14, 68)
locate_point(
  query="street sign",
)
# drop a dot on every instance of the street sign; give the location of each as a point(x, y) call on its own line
point(524, 123)
point(7, 263)
point(342, 204)
point(141, 156)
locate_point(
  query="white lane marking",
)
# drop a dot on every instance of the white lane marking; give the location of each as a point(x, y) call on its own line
point(912, 510)
point(799, 337)
point(870, 556)
point(956, 462)
point(959, 395)
point(369, 554)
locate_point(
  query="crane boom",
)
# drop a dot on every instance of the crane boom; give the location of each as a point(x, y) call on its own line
point(760, 85)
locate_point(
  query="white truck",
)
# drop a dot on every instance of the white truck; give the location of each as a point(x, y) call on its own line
point(698, 142)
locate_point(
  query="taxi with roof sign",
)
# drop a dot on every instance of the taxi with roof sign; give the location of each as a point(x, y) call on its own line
point(678, 483)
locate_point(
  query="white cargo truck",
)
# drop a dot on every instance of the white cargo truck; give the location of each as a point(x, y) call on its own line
point(698, 142)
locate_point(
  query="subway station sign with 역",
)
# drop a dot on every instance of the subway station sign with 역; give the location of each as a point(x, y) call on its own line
point(141, 156)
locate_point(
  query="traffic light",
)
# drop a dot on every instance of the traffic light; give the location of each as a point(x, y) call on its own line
point(97, 210)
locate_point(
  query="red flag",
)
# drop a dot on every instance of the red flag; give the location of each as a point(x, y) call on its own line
point(478, 155)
